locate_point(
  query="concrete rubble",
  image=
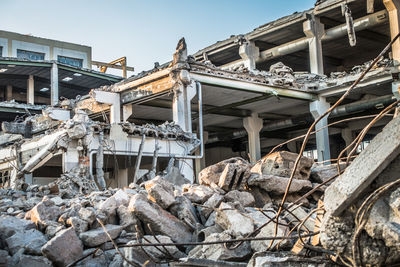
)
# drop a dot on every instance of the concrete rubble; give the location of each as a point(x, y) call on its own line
point(59, 226)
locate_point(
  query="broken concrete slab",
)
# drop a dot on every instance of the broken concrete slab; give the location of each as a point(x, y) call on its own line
point(281, 164)
point(261, 197)
point(78, 224)
point(213, 202)
point(219, 251)
point(87, 214)
point(269, 230)
point(32, 261)
point(44, 211)
point(161, 221)
point(64, 248)
point(277, 184)
point(97, 259)
point(155, 252)
point(98, 236)
point(284, 258)
point(297, 214)
point(185, 211)
point(160, 191)
point(10, 225)
point(234, 176)
point(127, 219)
point(211, 175)
point(244, 198)
point(31, 240)
point(385, 147)
point(197, 193)
point(320, 173)
point(229, 218)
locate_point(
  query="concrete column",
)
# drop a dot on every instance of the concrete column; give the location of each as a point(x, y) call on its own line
point(112, 99)
point(181, 113)
point(253, 126)
point(347, 135)
point(9, 90)
point(314, 29)
point(392, 7)
point(249, 52)
point(181, 107)
point(30, 92)
point(317, 108)
point(122, 178)
point(127, 111)
point(28, 178)
point(70, 158)
point(292, 146)
point(54, 95)
point(201, 163)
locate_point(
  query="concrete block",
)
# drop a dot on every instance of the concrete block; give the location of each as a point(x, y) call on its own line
point(382, 150)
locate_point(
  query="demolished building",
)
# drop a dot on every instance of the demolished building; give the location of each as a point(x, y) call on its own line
point(165, 136)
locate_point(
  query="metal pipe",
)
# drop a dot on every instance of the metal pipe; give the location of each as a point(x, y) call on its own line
point(330, 34)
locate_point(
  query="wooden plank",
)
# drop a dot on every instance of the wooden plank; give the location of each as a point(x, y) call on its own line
point(318, 222)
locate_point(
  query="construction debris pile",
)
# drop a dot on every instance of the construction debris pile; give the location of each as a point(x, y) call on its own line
point(45, 226)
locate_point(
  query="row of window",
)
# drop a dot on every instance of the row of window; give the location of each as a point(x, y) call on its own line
point(31, 55)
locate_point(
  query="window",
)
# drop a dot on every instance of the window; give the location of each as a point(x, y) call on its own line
point(76, 62)
point(25, 54)
point(1, 51)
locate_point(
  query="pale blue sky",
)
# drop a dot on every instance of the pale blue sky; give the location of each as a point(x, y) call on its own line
point(145, 31)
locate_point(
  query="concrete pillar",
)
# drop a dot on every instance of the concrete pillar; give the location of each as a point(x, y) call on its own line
point(253, 126)
point(347, 135)
point(127, 111)
point(70, 158)
point(122, 178)
point(113, 99)
point(9, 90)
point(392, 7)
point(30, 92)
point(54, 94)
point(28, 178)
point(181, 113)
point(292, 146)
point(249, 52)
point(317, 108)
point(314, 29)
point(181, 107)
point(201, 163)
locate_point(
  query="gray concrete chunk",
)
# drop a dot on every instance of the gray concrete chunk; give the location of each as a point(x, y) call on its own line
point(64, 248)
point(382, 150)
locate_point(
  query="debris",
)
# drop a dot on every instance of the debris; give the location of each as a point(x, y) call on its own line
point(162, 222)
point(229, 218)
point(64, 248)
point(160, 191)
point(281, 164)
point(277, 184)
point(95, 237)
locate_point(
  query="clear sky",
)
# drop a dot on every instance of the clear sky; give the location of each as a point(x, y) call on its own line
point(145, 31)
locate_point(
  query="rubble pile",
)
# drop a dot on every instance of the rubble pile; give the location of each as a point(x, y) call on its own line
point(59, 225)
